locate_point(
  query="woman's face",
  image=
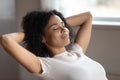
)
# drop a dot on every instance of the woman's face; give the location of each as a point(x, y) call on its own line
point(56, 34)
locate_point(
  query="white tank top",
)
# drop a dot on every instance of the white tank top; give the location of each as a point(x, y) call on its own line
point(71, 65)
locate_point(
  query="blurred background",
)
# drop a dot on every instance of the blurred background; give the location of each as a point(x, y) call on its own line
point(104, 45)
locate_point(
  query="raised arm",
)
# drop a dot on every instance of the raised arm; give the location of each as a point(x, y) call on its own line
point(83, 20)
point(10, 43)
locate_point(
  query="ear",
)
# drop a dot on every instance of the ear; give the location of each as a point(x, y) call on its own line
point(43, 40)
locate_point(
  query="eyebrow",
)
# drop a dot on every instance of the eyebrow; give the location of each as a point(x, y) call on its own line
point(55, 24)
point(52, 25)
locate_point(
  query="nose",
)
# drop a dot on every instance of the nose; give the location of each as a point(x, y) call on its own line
point(64, 29)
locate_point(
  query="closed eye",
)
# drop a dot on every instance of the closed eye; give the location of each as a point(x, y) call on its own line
point(57, 26)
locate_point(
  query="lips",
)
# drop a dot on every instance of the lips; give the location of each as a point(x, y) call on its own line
point(65, 36)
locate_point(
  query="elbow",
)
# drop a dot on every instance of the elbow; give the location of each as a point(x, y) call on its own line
point(88, 18)
point(4, 39)
point(89, 15)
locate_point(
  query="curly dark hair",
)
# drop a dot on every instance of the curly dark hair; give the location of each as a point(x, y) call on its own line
point(33, 25)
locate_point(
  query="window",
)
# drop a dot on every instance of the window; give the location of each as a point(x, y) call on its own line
point(102, 10)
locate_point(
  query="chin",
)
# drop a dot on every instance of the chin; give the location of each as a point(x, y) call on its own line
point(67, 43)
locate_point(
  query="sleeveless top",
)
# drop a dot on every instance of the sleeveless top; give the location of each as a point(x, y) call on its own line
point(71, 65)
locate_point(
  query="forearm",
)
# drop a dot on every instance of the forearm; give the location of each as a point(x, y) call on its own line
point(10, 44)
point(80, 19)
point(17, 37)
point(83, 35)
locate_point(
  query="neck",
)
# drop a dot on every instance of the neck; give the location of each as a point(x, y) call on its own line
point(56, 51)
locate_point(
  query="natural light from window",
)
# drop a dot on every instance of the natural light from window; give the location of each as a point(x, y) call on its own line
point(100, 8)
point(104, 10)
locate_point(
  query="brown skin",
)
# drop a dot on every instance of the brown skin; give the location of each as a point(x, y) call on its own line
point(83, 20)
point(56, 35)
point(54, 39)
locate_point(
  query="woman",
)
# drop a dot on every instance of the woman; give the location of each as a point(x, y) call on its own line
point(46, 36)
